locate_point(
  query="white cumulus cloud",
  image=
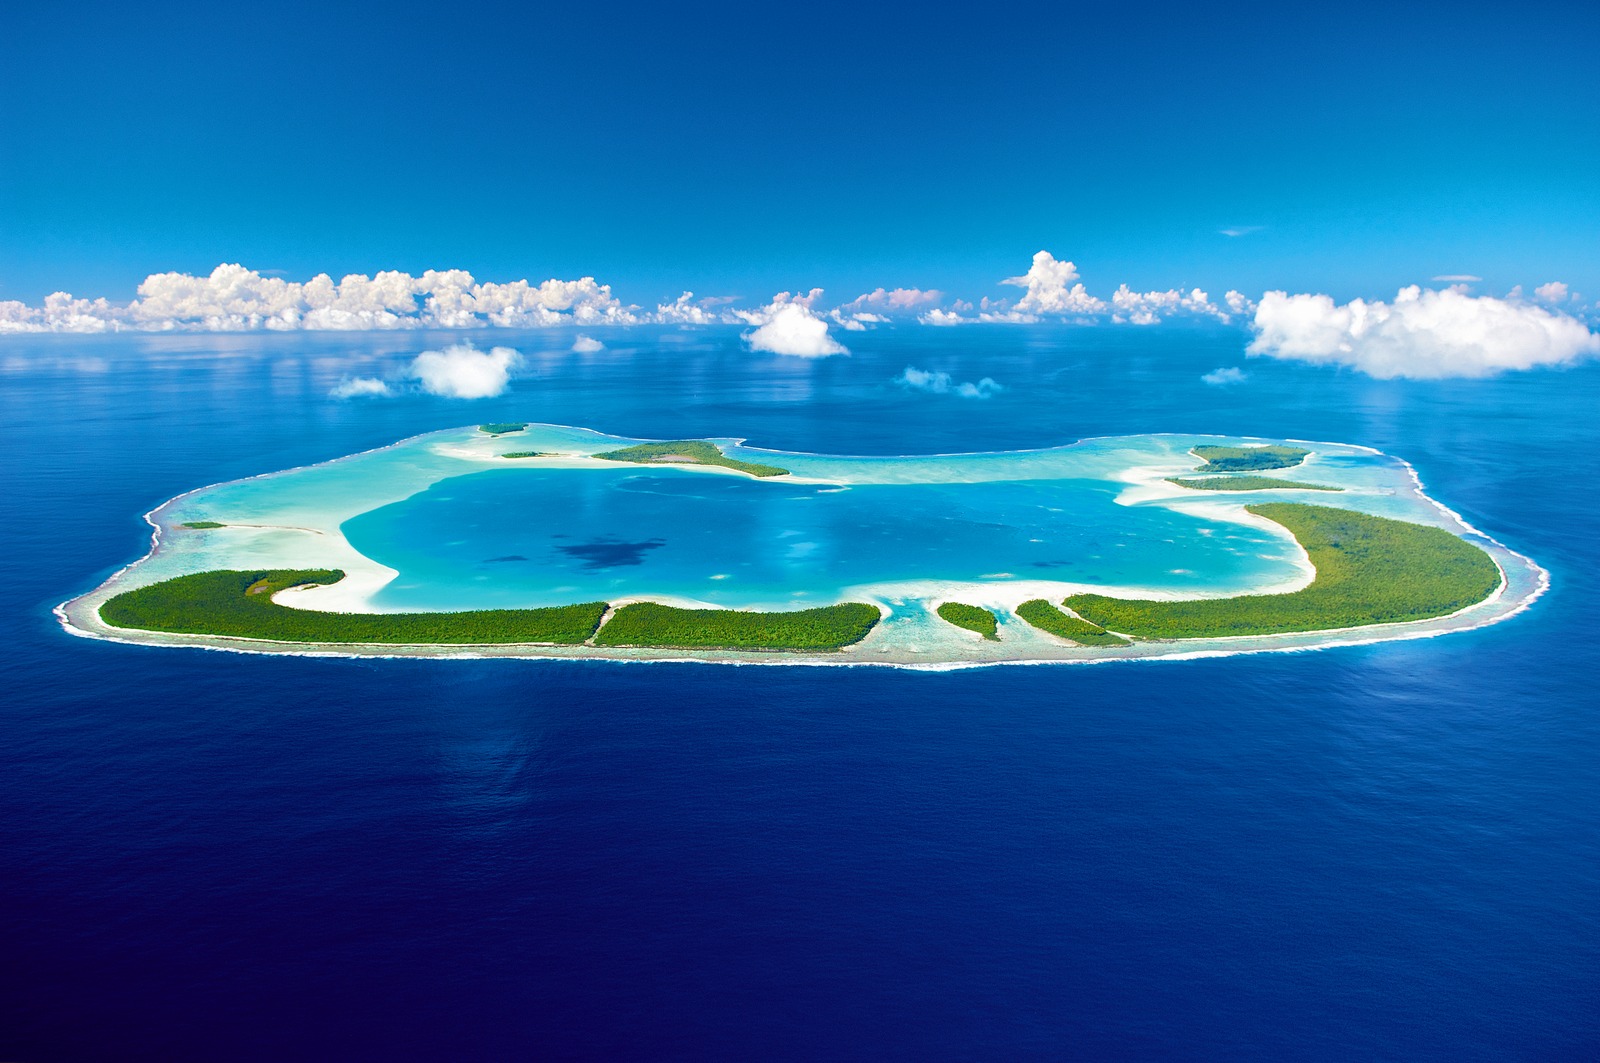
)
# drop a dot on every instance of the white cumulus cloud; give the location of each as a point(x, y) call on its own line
point(461, 371)
point(61, 312)
point(232, 298)
point(788, 325)
point(899, 300)
point(1552, 293)
point(1147, 308)
point(943, 318)
point(940, 383)
point(1051, 289)
point(587, 345)
point(686, 311)
point(359, 387)
point(1422, 334)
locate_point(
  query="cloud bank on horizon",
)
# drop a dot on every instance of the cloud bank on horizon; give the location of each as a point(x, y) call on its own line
point(1422, 333)
point(235, 299)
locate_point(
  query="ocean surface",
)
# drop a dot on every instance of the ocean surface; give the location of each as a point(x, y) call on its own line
point(1378, 852)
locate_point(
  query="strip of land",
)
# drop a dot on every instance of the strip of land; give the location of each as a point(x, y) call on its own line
point(830, 627)
point(1248, 459)
point(1248, 483)
point(1370, 570)
point(1046, 617)
point(688, 452)
point(972, 617)
point(238, 604)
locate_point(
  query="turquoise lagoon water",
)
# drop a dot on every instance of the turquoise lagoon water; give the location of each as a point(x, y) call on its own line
point(514, 537)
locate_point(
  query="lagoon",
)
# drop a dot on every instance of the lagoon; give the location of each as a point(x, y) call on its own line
point(520, 538)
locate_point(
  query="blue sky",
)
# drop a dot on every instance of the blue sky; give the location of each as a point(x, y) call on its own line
point(743, 149)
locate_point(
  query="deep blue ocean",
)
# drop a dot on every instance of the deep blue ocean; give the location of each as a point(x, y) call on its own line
point(1387, 852)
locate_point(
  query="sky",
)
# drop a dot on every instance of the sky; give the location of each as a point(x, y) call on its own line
point(742, 150)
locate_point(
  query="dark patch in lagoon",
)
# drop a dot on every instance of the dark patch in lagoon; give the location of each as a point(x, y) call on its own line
point(508, 557)
point(611, 553)
point(1051, 564)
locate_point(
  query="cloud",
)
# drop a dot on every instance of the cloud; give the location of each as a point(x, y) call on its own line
point(1053, 290)
point(857, 322)
point(587, 345)
point(942, 384)
point(552, 302)
point(1237, 231)
point(899, 300)
point(1457, 278)
point(235, 299)
point(1147, 308)
point(788, 325)
point(1552, 293)
point(461, 371)
point(359, 387)
point(1422, 334)
point(795, 330)
point(60, 313)
point(763, 314)
point(1047, 282)
point(685, 311)
point(1225, 376)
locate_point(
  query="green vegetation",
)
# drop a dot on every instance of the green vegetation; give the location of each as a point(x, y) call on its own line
point(1046, 617)
point(500, 429)
point(688, 452)
point(971, 617)
point(1248, 483)
point(1370, 570)
point(1248, 459)
point(526, 454)
point(649, 624)
point(240, 604)
point(203, 524)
